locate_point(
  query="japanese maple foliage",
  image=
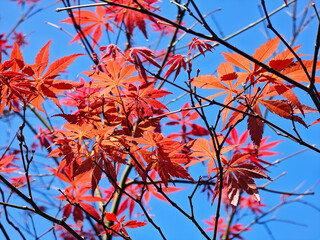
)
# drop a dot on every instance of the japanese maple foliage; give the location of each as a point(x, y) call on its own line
point(127, 132)
point(95, 24)
point(185, 121)
point(130, 17)
point(233, 230)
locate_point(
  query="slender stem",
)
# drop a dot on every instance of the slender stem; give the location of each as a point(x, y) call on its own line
point(81, 6)
point(118, 195)
point(274, 126)
point(172, 42)
point(4, 232)
point(230, 218)
point(34, 110)
point(38, 211)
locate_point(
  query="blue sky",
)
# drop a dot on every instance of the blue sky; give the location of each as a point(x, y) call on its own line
point(232, 16)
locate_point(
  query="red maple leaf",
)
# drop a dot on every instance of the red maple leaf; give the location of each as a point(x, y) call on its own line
point(86, 234)
point(112, 50)
point(234, 139)
point(165, 156)
point(15, 85)
point(6, 164)
point(77, 134)
point(238, 175)
point(3, 45)
point(76, 196)
point(46, 84)
point(282, 108)
point(212, 222)
point(152, 190)
point(136, 190)
point(96, 23)
point(250, 203)
point(115, 77)
point(315, 122)
point(147, 54)
point(45, 138)
point(185, 120)
point(96, 164)
point(20, 181)
point(200, 44)
point(120, 226)
point(79, 98)
point(222, 227)
point(176, 63)
point(81, 180)
point(140, 100)
point(241, 146)
point(20, 38)
point(130, 17)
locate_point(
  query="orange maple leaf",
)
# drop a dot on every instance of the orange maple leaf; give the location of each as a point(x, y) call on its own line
point(205, 150)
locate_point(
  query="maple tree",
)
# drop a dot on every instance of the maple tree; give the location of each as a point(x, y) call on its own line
point(150, 123)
